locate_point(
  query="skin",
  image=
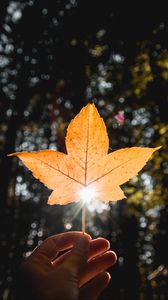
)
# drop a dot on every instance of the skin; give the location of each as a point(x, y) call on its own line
point(77, 274)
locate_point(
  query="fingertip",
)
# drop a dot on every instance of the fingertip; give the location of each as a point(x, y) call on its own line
point(108, 276)
point(111, 254)
point(94, 287)
point(105, 278)
point(103, 242)
point(107, 243)
point(114, 255)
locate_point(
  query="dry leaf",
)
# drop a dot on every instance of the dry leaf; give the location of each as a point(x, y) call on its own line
point(87, 162)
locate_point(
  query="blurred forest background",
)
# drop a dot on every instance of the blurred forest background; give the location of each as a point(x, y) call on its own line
point(56, 56)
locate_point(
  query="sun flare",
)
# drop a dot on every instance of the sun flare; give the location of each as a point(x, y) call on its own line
point(87, 194)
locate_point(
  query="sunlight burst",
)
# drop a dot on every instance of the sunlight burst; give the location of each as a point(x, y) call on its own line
point(87, 194)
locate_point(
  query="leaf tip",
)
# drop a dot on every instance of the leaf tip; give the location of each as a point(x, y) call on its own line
point(15, 154)
point(11, 154)
point(157, 148)
point(90, 106)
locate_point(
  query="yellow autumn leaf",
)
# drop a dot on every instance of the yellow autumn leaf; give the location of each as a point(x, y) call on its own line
point(87, 164)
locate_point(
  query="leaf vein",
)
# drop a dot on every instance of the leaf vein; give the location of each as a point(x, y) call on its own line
point(58, 170)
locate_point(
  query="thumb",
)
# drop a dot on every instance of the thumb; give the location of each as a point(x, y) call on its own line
point(79, 254)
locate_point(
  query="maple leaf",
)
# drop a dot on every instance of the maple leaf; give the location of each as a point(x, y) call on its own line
point(87, 163)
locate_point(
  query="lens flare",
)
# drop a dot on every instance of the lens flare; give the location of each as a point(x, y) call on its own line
point(87, 194)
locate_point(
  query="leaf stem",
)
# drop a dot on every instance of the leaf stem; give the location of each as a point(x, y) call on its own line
point(83, 219)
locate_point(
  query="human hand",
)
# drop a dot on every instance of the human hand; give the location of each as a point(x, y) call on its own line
point(77, 274)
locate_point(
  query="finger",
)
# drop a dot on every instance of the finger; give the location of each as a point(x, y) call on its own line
point(96, 266)
point(97, 247)
point(94, 288)
point(59, 242)
point(78, 256)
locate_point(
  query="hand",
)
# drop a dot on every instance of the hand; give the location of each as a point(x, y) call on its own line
point(78, 273)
